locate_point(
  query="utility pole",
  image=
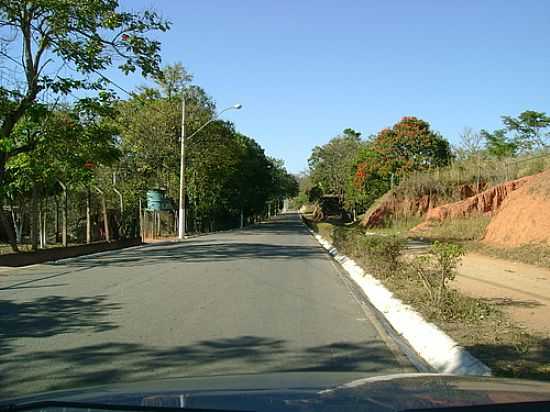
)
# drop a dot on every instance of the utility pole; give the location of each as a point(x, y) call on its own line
point(183, 187)
point(181, 212)
point(88, 217)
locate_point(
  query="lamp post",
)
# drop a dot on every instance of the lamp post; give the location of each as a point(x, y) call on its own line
point(182, 208)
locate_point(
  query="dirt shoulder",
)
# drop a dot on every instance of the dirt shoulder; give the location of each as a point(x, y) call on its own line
point(520, 290)
point(497, 311)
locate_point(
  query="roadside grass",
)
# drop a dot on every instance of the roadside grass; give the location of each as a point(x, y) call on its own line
point(533, 253)
point(478, 325)
point(323, 228)
point(457, 230)
point(398, 226)
point(443, 182)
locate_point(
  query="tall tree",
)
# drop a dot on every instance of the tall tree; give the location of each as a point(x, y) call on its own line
point(330, 164)
point(408, 146)
point(498, 144)
point(531, 130)
point(87, 35)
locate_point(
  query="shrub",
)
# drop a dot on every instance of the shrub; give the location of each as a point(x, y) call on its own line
point(436, 269)
point(382, 254)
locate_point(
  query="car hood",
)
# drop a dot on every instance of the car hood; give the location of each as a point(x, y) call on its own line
point(308, 392)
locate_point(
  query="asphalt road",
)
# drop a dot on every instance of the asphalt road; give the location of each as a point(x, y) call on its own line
point(265, 299)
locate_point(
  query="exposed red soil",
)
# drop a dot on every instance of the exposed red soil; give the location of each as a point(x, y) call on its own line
point(486, 202)
point(524, 216)
point(392, 205)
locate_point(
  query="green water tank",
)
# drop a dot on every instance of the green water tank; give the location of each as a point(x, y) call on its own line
point(157, 200)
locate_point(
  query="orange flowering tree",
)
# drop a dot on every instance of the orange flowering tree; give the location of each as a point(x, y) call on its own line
point(394, 152)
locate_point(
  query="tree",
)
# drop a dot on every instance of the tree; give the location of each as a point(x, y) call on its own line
point(66, 140)
point(173, 80)
point(499, 145)
point(530, 130)
point(410, 145)
point(212, 175)
point(330, 164)
point(87, 35)
point(150, 130)
point(472, 144)
point(283, 184)
point(254, 176)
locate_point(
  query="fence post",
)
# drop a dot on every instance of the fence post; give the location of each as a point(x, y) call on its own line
point(140, 220)
point(104, 212)
point(34, 216)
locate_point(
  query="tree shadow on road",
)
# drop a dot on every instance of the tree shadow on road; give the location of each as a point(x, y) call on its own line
point(203, 252)
point(49, 316)
point(116, 362)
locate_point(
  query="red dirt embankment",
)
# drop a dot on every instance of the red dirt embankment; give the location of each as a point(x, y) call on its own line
point(485, 202)
point(392, 205)
point(524, 216)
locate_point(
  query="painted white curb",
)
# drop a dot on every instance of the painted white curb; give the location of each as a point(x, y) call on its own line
point(431, 343)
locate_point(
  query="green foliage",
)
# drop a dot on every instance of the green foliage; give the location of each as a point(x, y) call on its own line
point(64, 142)
point(330, 165)
point(86, 36)
point(437, 269)
point(410, 145)
point(499, 145)
point(530, 129)
point(382, 254)
point(226, 171)
point(379, 253)
point(523, 134)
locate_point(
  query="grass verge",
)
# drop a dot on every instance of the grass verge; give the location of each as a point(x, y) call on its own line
point(457, 230)
point(477, 325)
point(534, 254)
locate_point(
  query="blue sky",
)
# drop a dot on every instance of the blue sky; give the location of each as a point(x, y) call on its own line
point(306, 70)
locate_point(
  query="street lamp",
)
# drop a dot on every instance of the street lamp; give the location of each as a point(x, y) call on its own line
point(182, 209)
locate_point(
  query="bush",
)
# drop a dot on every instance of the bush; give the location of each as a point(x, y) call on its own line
point(436, 269)
point(382, 254)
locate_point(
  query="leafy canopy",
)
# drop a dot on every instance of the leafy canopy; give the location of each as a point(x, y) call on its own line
point(55, 36)
point(330, 164)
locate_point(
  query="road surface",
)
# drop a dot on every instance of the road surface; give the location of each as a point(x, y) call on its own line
point(265, 299)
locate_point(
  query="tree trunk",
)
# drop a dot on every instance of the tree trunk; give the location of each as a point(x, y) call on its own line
point(34, 217)
point(64, 214)
point(20, 224)
point(56, 220)
point(45, 224)
point(7, 227)
point(141, 234)
point(40, 226)
point(16, 224)
point(105, 218)
point(88, 217)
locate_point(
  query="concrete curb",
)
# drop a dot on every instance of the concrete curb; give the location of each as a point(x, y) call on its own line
point(431, 343)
